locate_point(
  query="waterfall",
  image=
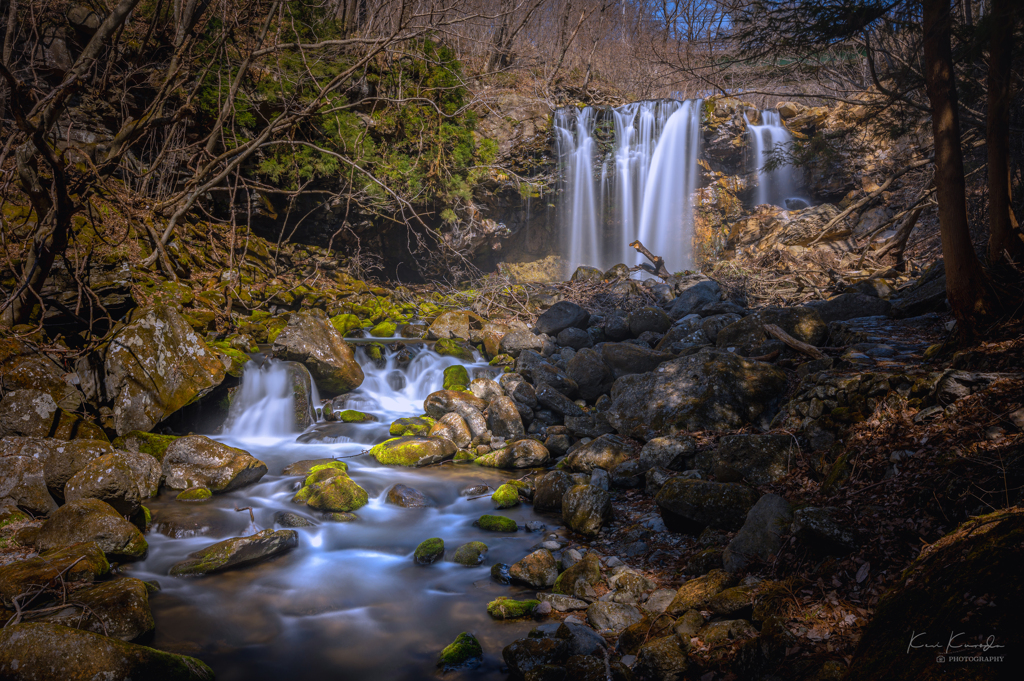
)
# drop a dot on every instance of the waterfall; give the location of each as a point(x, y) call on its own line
point(265, 405)
point(777, 187)
point(646, 192)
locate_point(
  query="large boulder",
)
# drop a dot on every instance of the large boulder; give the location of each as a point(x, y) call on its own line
point(461, 402)
point(118, 608)
point(692, 505)
point(585, 508)
point(83, 563)
point(503, 418)
point(456, 324)
point(155, 366)
point(237, 552)
point(648, 319)
point(760, 459)
point(760, 538)
point(592, 376)
point(538, 569)
point(88, 520)
point(965, 595)
point(663, 659)
point(518, 341)
point(22, 366)
point(623, 359)
point(314, 342)
point(711, 390)
point(746, 335)
point(329, 488)
point(850, 306)
point(549, 491)
point(198, 461)
point(692, 296)
point(561, 315)
point(454, 428)
point(23, 485)
point(61, 459)
point(112, 478)
point(673, 453)
point(606, 616)
point(411, 450)
point(697, 593)
point(606, 452)
point(34, 413)
point(51, 652)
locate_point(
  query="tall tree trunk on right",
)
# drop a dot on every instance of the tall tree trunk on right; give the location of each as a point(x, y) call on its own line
point(1003, 237)
point(966, 284)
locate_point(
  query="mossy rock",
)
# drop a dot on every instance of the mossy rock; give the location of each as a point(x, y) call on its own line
point(449, 347)
point(413, 425)
point(236, 552)
point(146, 443)
point(336, 493)
point(142, 519)
point(464, 456)
point(506, 496)
point(429, 551)
point(384, 330)
point(496, 523)
point(238, 358)
point(456, 377)
point(464, 651)
point(412, 450)
point(471, 554)
point(325, 472)
point(353, 416)
point(504, 608)
point(194, 494)
point(966, 585)
point(502, 361)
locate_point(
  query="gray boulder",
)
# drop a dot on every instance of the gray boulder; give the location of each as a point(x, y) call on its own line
point(623, 359)
point(760, 538)
point(819, 529)
point(592, 376)
point(692, 296)
point(236, 552)
point(91, 520)
point(155, 366)
point(585, 508)
point(692, 505)
point(550, 489)
point(648, 319)
point(711, 390)
point(503, 418)
point(612, 617)
point(672, 452)
point(312, 340)
point(561, 315)
point(605, 452)
point(538, 569)
point(22, 484)
point(850, 306)
point(198, 461)
point(760, 459)
point(574, 338)
point(51, 652)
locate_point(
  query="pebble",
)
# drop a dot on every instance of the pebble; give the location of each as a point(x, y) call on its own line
point(543, 609)
point(551, 545)
point(535, 526)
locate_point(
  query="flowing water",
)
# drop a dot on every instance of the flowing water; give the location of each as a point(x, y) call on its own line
point(778, 187)
point(644, 188)
point(349, 602)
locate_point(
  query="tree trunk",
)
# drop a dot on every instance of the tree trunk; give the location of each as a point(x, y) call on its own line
point(1004, 240)
point(966, 283)
point(499, 53)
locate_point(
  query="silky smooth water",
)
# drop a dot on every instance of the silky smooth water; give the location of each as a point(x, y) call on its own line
point(778, 187)
point(349, 602)
point(644, 188)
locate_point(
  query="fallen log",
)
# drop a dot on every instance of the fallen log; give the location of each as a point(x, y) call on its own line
point(777, 333)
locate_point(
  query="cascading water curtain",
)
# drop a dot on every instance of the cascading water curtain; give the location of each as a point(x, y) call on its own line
point(778, 187)
point(646, 193)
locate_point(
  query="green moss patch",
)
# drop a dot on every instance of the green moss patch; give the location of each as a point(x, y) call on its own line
point(456, 377)
point(464, 651)
point(509, 609)
point(429, 551)
point(506, 496)
point(194, 494)
point(497, 523)
point(146, 443)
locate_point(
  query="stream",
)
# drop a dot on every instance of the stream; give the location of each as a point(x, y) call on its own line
point(349, 600)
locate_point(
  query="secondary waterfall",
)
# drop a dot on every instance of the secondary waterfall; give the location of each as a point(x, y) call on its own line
point(778, 187)
point(644, 188)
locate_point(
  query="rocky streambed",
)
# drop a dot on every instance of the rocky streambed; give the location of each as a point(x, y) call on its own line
point(597, 496)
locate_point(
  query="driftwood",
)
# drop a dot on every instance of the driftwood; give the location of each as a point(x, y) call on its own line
point(659, 270)
point(809, 350)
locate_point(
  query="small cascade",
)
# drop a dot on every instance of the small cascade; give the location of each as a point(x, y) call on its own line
point(265, 405)
point(644, 187)
point(778, 187)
